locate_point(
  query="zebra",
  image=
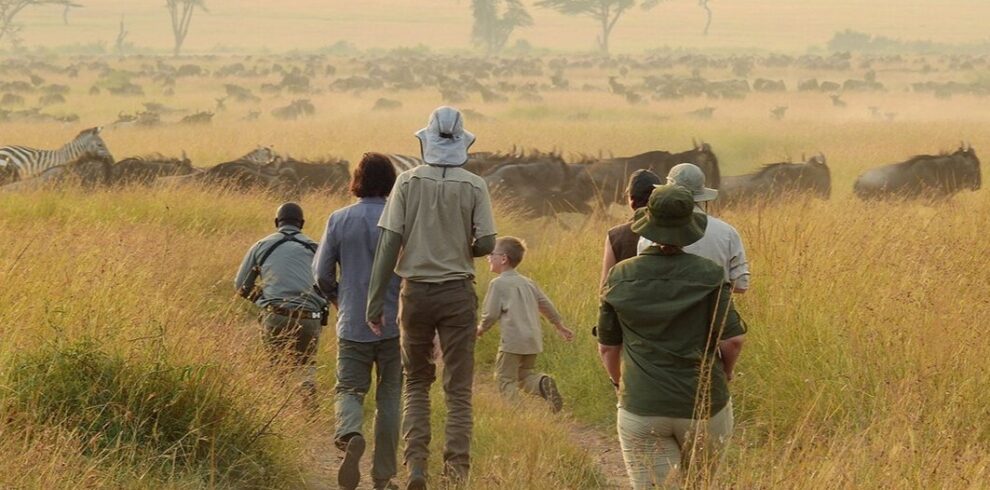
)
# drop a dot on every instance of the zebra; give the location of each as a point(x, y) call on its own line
point(262, 155)
point(401, 163)
point(24, 162)
point(8, 172)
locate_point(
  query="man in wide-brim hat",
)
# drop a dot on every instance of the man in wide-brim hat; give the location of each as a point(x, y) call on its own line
point(436, 220)
point(664, 333)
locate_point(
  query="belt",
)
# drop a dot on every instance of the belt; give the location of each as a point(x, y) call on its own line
point(295, 313)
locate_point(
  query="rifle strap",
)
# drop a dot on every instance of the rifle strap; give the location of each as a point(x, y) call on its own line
point(286, 237)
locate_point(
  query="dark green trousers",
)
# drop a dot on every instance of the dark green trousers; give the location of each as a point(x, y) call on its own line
point(293, 341)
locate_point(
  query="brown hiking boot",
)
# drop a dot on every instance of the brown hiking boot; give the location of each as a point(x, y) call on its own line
point(349, 473)
point(548, 390)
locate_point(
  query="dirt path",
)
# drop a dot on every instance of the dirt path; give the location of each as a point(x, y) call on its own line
point(604, 451)
point(326, 459)
point(601, 446)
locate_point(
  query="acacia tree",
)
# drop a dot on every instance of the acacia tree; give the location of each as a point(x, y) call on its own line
point(605, 12)
point(10, 8)
point(181, 12)
point(494, 21)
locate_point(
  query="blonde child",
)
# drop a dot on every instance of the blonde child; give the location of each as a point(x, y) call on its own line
point(516, 303)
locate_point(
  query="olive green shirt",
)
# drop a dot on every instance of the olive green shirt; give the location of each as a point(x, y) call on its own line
point(661, 309)
point(516, 302)
point(439, 212)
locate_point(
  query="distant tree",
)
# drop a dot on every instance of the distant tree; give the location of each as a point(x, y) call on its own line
point(494, 21)
point(121, 44)
point(181, 12)
point(605, 12)
point(708, 15)
point(10, 8)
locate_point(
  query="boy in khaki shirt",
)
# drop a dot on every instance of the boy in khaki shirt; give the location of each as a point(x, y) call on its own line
point(516, 302)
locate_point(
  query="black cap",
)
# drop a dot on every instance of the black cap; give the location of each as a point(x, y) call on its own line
point(289, 212)
point(641, 185)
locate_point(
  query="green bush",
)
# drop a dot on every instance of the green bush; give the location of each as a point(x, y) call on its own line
point(177, 418)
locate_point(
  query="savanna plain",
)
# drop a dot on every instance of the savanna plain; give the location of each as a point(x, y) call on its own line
point(126, 360)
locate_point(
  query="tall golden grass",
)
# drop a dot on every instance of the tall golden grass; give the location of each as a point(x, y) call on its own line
point(864, 364)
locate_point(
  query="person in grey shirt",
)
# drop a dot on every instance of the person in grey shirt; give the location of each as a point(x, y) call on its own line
point(292, 308)
point(349, 243)
point(721, 243)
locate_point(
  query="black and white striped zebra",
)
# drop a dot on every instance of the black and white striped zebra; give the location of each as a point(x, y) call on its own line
point(262, 155)
point(401, 163)
point(24, 162)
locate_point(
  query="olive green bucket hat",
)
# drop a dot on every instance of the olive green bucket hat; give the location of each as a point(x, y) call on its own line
point(669, 217)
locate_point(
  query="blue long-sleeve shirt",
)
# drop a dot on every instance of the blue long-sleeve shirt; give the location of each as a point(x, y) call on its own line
point(349, 242)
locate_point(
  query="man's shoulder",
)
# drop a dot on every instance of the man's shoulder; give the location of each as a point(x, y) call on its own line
point(718, 226)
point(620, 227)
point(305, 238)
point(431, 172)
point(680, 266)
point(357, 208)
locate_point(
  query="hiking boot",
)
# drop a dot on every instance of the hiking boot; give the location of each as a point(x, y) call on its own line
point(417, 478)
point(385, 485)
point(548, 390)
point(349, 473)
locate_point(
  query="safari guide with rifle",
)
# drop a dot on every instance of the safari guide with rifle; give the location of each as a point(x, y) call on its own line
point(293, 311)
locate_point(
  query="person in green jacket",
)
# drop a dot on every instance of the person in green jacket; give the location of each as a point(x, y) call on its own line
point(669, 344)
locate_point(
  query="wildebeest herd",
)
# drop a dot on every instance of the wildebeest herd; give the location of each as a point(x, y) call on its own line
point(536, 183)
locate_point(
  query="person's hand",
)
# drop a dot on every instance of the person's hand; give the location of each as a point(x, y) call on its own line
point(376, 326)
point(479, 332)
point(565, 333)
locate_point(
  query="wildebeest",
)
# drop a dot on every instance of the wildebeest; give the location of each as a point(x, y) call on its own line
point(287, 176)
point(144, 170)
point(87, 171)
point(932, 176)
point(775, 180)
point(610, 176)
point(542, 187)
point(295, 110)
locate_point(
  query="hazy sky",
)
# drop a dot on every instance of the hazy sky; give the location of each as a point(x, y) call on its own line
point(778, 24)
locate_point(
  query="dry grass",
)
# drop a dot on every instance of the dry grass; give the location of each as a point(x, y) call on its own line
point(863, 366)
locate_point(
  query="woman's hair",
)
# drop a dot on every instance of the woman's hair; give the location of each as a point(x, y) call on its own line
point(513, 248)
point(373, 177)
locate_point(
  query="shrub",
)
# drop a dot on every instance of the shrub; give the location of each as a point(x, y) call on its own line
point(185, 418)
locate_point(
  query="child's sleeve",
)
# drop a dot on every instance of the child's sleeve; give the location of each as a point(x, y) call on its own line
point(546, 306)
point(491, 310)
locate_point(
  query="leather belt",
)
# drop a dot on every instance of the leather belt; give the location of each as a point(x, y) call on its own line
point(294, 313)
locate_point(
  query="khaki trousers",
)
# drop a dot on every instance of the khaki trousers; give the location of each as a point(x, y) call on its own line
point(653, 448)
point(514, 372)
point(446, 310)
